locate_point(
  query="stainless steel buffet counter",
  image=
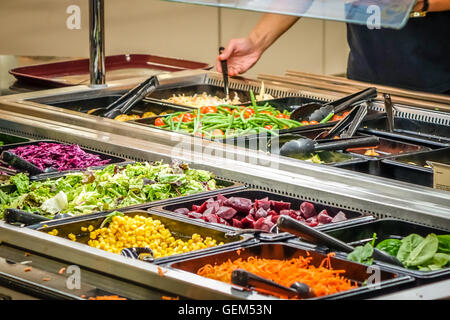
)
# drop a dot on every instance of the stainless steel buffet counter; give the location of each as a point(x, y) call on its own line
point(32, 115)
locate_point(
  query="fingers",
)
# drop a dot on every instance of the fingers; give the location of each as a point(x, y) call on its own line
point(229, 49)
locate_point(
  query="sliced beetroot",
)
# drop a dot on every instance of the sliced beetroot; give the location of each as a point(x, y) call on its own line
point(223, 221)
point(262, 203)
point(237, 223)
point(240, 204)
point(272, 213)
point(213, 204)
point(264, 224)
point(202, 208)
point(195, 207)
point(183, 211)
point(194, 215)
point(226, 212)
point(261, 213)
point(280, 205)
point(340, 216)
point(312, 222)
point(293, 214)
point(284, 212)
point(307, 209)
point(323, 217)
point(211, 218)
point(274, 218)
point(210, 210)
point(221, 199)
point(248, 222)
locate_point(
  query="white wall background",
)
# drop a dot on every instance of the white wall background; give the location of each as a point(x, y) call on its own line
point(38, 27)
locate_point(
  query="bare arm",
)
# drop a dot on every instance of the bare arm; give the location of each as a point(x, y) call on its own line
point(270, 28)
point(434, 5)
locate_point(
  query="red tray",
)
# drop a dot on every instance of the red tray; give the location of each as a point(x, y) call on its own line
point(76, 72)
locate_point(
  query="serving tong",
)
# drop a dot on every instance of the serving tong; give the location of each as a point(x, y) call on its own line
point(288, 224)
point(224, 66)
point(250, 280)
point(128, 100)
point(316, 111)
point(23, 165)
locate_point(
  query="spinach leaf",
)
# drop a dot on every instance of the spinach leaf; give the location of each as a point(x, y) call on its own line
point(444, 243)
point(390, 246)
point(362, 254)
point(423, 252)
point(408, 244)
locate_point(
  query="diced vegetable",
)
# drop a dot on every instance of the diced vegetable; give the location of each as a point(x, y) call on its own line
point(259, 214)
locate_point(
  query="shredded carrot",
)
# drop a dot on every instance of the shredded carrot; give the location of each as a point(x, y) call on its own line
point(26, 254)
point(170, 298)
point(83, 296)
point(161, 272)
point(238, 251)
point(107, 298)
point(27, 269)
point(323, 279)
point(61, 271)
point(46, 279)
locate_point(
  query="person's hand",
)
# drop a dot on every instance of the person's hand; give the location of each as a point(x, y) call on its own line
point(241, 54)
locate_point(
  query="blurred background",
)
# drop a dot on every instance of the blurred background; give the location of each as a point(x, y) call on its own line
point(30, 27)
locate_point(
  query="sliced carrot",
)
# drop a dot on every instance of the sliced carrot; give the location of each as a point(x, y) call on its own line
point(324, 280)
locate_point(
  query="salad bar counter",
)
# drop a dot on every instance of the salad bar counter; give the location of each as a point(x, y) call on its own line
point(190, 194)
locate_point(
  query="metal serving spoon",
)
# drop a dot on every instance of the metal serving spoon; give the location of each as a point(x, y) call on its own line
point(288, 224)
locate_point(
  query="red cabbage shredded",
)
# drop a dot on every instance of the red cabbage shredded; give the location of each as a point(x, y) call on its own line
point(58, 156)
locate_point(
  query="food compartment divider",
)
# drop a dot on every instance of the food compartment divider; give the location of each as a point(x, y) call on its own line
point(390, 280)
point(389, 228)
point(253, 194)
point(179, 228)
point(409, 129)
point(420, 158)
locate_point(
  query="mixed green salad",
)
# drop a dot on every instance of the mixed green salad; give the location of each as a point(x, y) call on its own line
point(99, 190)
point(414, 251)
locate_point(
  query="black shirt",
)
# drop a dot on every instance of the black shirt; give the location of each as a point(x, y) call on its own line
point(416, 57)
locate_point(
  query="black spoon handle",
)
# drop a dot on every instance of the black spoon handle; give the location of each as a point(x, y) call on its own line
point(247, 279)
point(288, 224)
point(26, 218)
point(359, 96)
point(224, 65)
point(389, 111)
point(19, 163)
point(370, 141)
